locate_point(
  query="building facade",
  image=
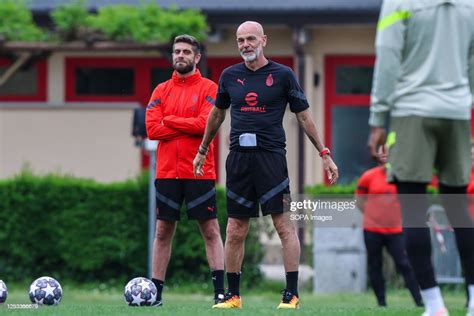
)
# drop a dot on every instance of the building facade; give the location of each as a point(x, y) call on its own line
point(71, 112)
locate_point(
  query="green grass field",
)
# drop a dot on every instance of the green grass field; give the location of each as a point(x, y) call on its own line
point(103, 302)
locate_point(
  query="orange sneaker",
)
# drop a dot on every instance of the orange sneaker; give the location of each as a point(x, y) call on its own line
point(230, 301)
point(289, 300)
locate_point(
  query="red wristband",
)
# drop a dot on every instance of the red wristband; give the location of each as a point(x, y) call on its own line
point(325, 151)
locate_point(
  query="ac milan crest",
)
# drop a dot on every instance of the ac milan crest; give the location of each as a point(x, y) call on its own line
point(269, 81)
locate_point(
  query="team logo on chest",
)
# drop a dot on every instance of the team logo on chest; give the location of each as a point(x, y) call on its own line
point(269, 81)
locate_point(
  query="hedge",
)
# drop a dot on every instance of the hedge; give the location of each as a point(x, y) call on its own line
point(81, 230)
point(349, 189)
point(340, 189)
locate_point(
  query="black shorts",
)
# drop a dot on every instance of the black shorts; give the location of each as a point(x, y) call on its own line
point(199, 196)
point(256, 177)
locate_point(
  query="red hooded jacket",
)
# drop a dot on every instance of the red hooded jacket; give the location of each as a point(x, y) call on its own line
point(176, 116)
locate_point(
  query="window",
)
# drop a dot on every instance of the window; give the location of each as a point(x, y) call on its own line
point(114, 79)
point(105, 81)
point(26, 84)
point(23, 82)
point(354, 79)
point(349, 147)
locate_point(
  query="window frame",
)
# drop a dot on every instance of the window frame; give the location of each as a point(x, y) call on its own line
point(41, 84)
point(142, 76)
point(332, 98)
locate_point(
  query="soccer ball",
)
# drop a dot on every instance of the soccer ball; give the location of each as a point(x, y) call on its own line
point(45, 291)
point(3, 292)
point(140, 292)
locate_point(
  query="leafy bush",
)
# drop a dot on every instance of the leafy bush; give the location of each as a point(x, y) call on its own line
point(117, 21)
point(340, 189)
point(143, 23)
point(80, 230)
point(17, 22)
point(147, 23)
point(348, 189)
point(161, 26)
point(71, 20)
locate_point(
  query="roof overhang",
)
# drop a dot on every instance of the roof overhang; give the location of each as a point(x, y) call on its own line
point(293, 17)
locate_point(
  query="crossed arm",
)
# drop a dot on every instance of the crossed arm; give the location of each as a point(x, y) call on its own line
point(155, 128)
point(189, 125)
point(163, 128)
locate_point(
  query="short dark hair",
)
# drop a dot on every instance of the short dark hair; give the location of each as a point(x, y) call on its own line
point(191, 40)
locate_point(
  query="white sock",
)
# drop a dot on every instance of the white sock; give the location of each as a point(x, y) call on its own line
point(432, 299)
point(470, 288)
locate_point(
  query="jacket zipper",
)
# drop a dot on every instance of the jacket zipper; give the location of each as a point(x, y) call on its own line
point(177, 158)
point(179, 112)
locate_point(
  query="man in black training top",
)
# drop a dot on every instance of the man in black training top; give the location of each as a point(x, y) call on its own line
point(258, 91)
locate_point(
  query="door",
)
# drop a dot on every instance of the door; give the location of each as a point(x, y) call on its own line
point(348, 82)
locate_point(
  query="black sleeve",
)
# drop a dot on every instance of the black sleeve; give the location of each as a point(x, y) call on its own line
point(296, 97)
point(223, 97)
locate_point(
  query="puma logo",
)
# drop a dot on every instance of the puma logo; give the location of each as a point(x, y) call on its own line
point(241, 81)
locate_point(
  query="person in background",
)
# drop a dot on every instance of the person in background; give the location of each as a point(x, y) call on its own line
point(470, 186)
point(377, 200)
point(424, 77)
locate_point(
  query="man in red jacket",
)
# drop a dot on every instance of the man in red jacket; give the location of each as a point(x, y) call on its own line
point(176, 116)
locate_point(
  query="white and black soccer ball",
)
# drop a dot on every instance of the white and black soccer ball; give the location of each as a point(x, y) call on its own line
point(140, 292)
point(45, 291)
point(3, 292)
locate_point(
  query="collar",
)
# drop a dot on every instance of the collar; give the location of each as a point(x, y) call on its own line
point(187, 80)
point(268, 64)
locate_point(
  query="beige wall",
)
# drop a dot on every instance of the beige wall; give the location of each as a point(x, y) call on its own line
point(90, 143)
point(94, 141)
point(56, 81)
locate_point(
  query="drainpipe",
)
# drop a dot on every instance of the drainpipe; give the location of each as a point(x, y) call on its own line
point(299, 39)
